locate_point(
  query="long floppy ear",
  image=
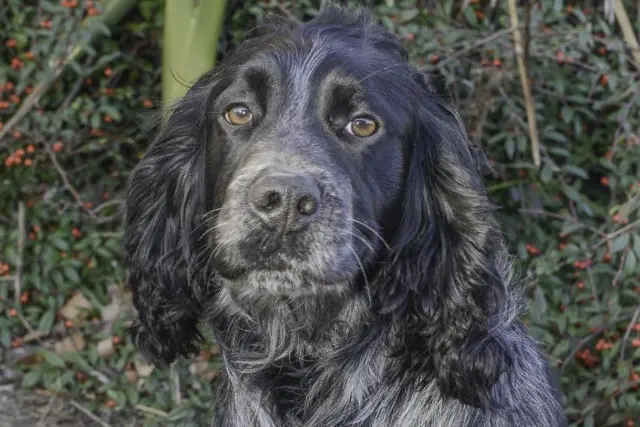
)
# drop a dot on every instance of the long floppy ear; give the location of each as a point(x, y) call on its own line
point(165, 205)
point(447, 274)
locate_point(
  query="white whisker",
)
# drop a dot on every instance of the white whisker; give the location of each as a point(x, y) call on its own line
point(364, 274)
point(384, 242)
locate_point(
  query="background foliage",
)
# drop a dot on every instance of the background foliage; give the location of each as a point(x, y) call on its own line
point(572, 224)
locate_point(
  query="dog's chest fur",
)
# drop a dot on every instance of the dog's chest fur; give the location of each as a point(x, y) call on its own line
point(356, 392)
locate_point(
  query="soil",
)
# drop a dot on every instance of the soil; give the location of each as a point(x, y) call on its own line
point(19, 408)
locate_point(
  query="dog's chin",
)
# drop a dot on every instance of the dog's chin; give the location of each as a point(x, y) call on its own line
point(265, 284)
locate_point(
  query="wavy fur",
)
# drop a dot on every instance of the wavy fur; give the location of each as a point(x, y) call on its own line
point(395, 308)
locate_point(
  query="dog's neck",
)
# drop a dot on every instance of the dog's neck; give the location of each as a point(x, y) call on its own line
point(265, 330)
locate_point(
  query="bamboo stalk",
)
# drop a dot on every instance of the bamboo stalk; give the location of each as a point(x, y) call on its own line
point(191, 33)
point(627, 30)
point(526, 88)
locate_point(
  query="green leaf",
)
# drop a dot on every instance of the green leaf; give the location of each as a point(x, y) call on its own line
point(572, 193)
point(5, 337)
point(510, 146)
point(77, 359)
point(47, 320)
point(546, 173)
point(58, 279)
point(104, 253)
point(567, 113)
point(574, 170)
point(71, 274)
point(53, 359)
point(408, 14)
point(113, 112)
point(636, 244)
point(620, 242)
point(59, 242)
point(31, 378)
point(470, 15)
point(556, 136)
point(630, 264)
point(589, 421)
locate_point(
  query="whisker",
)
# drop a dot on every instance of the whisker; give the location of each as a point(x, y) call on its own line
point(210, 213)
point(364, 274)
point(379, 71)
point(215, 226)
point(357, 236)
point(384, 242)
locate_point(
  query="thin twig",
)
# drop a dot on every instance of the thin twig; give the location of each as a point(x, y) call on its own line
point(70, 96)
point(52, 400)
point(17, 278)
point(625, 339)
point(66, 181)
point(28, 327)
point(604, 402)
point(88, 413)
point(175, 383)
point(526, 88)
point(581, 344)
point(150, 410)
point(623, 258)
point(31, 101)
point(563, 218)
point(608, 237)
point(473, 46)
point(100, 376)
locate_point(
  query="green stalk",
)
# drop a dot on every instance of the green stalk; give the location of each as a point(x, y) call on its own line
point(191, 32)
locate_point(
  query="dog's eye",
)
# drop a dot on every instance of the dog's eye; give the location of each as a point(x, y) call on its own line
point(362, 127)
point(238, 115)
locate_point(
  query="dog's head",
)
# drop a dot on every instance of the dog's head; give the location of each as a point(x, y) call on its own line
point(307, 155)
point(316, 160)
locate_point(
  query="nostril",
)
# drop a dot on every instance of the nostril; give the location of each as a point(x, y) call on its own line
point(308, 205)
point(266, 200)
point(270, 200)
point(285, 201)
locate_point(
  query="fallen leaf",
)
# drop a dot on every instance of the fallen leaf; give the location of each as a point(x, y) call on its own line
point(131, 375)
point(106, 348)
point(34, 336)
point(202, 369)
point(75, 307)
point(142, 368)
point(111, 312)
point(70, 344)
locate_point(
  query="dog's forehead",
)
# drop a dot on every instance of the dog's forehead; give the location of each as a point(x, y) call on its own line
point(303, 65)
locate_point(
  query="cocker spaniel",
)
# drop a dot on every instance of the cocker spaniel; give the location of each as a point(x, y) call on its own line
point(315, 200)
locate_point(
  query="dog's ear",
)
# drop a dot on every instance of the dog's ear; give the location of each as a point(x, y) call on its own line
point(447, 272)
point(165, 205)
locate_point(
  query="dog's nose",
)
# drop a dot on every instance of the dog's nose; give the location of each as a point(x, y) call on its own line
point(285, 201)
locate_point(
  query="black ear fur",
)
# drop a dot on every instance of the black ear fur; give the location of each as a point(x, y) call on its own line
point(447, 272)
point(165, 204)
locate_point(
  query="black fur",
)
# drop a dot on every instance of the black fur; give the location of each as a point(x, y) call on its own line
point(394, 307)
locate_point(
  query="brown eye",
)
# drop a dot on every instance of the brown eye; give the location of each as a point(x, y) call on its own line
point(362, 127)
point(238, 115)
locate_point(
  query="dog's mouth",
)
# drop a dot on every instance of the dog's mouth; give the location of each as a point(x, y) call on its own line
point(280, 231)
point(311, 263)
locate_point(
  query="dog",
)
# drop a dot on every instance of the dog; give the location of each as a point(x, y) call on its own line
point(315, 201)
